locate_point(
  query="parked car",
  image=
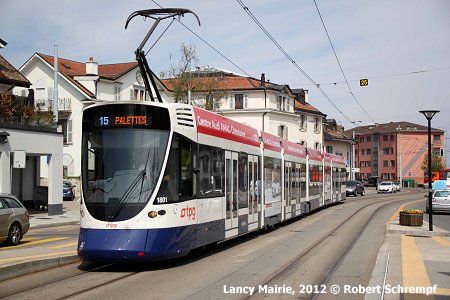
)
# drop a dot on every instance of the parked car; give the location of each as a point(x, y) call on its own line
point(354, 188)
point(440, 201)
point(14, 219)
point(397, 186)
point(365, 182)
point(386, 187)
point(68, 190)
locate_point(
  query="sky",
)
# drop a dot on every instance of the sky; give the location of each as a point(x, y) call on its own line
point(402, 47)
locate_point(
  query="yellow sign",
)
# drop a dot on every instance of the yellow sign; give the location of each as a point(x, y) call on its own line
point(363, 82)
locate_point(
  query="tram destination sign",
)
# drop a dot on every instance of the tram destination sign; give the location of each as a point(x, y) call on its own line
point(126, 115)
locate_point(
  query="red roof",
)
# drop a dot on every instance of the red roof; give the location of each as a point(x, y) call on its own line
point(306, 107)
point(69, 69)
point(227, 82)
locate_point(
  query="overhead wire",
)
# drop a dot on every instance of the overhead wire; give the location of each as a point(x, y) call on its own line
point(286, 54)
point(208, 44)
point(340, 66)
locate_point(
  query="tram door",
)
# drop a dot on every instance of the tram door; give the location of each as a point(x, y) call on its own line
point(231, 193)
point(255, 192)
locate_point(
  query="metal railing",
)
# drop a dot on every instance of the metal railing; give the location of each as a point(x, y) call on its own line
point(64, 104)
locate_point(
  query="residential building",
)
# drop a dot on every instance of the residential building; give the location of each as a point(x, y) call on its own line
point(337, 142)
point(22, 144)
point(395, 150)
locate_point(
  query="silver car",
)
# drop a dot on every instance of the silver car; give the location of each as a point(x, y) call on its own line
point(14, 219)
point(440, 201)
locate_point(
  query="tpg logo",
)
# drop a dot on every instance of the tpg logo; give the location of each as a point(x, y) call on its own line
point(188, 212)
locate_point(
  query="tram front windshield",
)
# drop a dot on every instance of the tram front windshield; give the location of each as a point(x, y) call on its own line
point(120, 170)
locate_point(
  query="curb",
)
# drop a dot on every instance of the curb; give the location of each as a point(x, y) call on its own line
point(25, 268)
point(55, 224)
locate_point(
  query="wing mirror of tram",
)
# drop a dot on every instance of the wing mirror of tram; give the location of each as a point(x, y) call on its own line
point(196, 170)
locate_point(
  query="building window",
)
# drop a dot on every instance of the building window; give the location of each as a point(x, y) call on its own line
point(329, 149)
point(239, 101)
point(385, 137)
point(391, 137)
point(437, 138)
point(117, 91)
point(361, 139)
point(368, 139)
point(281, 104)
point(283, 131)
point(66, 130)
point(362, 151)
point(369, 151)
point(302, 122)
point(316, 124)
point(385, 163)
point(137, 94)
point(392, 163)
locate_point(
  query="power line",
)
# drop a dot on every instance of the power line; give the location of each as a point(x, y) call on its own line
point(247, 10)
point(208, 44)
point(339, 63)
point(379, 77)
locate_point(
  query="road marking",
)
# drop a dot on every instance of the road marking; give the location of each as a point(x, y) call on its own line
point(66, 245)
point(441, 241)
point(414, 271)
point(395, 215)
point(35, 243)
point(17, 258)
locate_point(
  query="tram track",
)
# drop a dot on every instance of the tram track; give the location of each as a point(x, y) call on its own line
point(111, 276)
point(295, 261)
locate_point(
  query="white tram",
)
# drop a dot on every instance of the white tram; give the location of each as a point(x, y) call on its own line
point(159, 180)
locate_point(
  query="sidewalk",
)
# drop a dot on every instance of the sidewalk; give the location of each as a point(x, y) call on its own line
point(413, 263)
point(25, 259)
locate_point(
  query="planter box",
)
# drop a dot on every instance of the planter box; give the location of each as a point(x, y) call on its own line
point(411, 219)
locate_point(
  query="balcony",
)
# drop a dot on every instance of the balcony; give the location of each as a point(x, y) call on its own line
point(64, 104)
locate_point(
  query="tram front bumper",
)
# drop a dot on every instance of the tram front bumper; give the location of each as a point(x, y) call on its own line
point(116, 245)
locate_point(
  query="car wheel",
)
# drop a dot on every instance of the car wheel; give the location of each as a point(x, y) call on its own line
point(14, 234)
point(363, 192)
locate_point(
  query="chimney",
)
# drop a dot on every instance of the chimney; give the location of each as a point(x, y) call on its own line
point(263, 79)
point(91, 67)
point(306, 96)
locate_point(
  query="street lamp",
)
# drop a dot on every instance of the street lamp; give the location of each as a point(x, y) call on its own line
point(429, 114)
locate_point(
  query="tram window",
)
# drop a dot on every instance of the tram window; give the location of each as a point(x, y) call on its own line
point(272, 177)
point(187, 174)
point(243, 180)
point(211, 165)
point(302, 180)
point(169, 190)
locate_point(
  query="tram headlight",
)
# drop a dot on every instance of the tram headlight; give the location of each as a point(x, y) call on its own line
point(152, 214)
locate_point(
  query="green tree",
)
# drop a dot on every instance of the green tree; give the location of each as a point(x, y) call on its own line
point(203, 84)
point(436, 163)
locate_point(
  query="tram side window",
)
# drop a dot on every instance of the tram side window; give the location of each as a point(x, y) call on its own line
point(187, 172)
point(178, 180)
point(169, 190)
point(211, 165)
point(243, 180)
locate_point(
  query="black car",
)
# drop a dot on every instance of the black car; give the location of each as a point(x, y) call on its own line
point(355, 188)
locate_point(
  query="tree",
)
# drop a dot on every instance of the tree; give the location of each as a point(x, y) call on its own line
point(436, 163)
point(204, 83)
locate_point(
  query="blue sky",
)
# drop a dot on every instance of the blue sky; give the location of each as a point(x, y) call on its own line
point(372, 39)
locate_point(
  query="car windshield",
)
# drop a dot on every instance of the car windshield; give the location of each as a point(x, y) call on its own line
point(66, 185)
point(120, 170)
point(441, 194)
point(386, 183)
point(351, 183)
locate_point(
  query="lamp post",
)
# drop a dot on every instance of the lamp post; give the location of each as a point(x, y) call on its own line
point(400, 171)
point(429, 114)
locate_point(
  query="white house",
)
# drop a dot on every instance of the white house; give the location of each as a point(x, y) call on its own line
point(269, 107)
point(79, 84)
point(23, 144)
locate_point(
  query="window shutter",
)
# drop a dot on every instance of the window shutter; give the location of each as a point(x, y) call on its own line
point(69, 131)
point(231, 101)
point(50, 93)
point(132, 94)
point(245, 101)
point(286, 132)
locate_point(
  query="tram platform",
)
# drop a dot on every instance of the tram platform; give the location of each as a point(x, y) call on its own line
point(410, 257)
